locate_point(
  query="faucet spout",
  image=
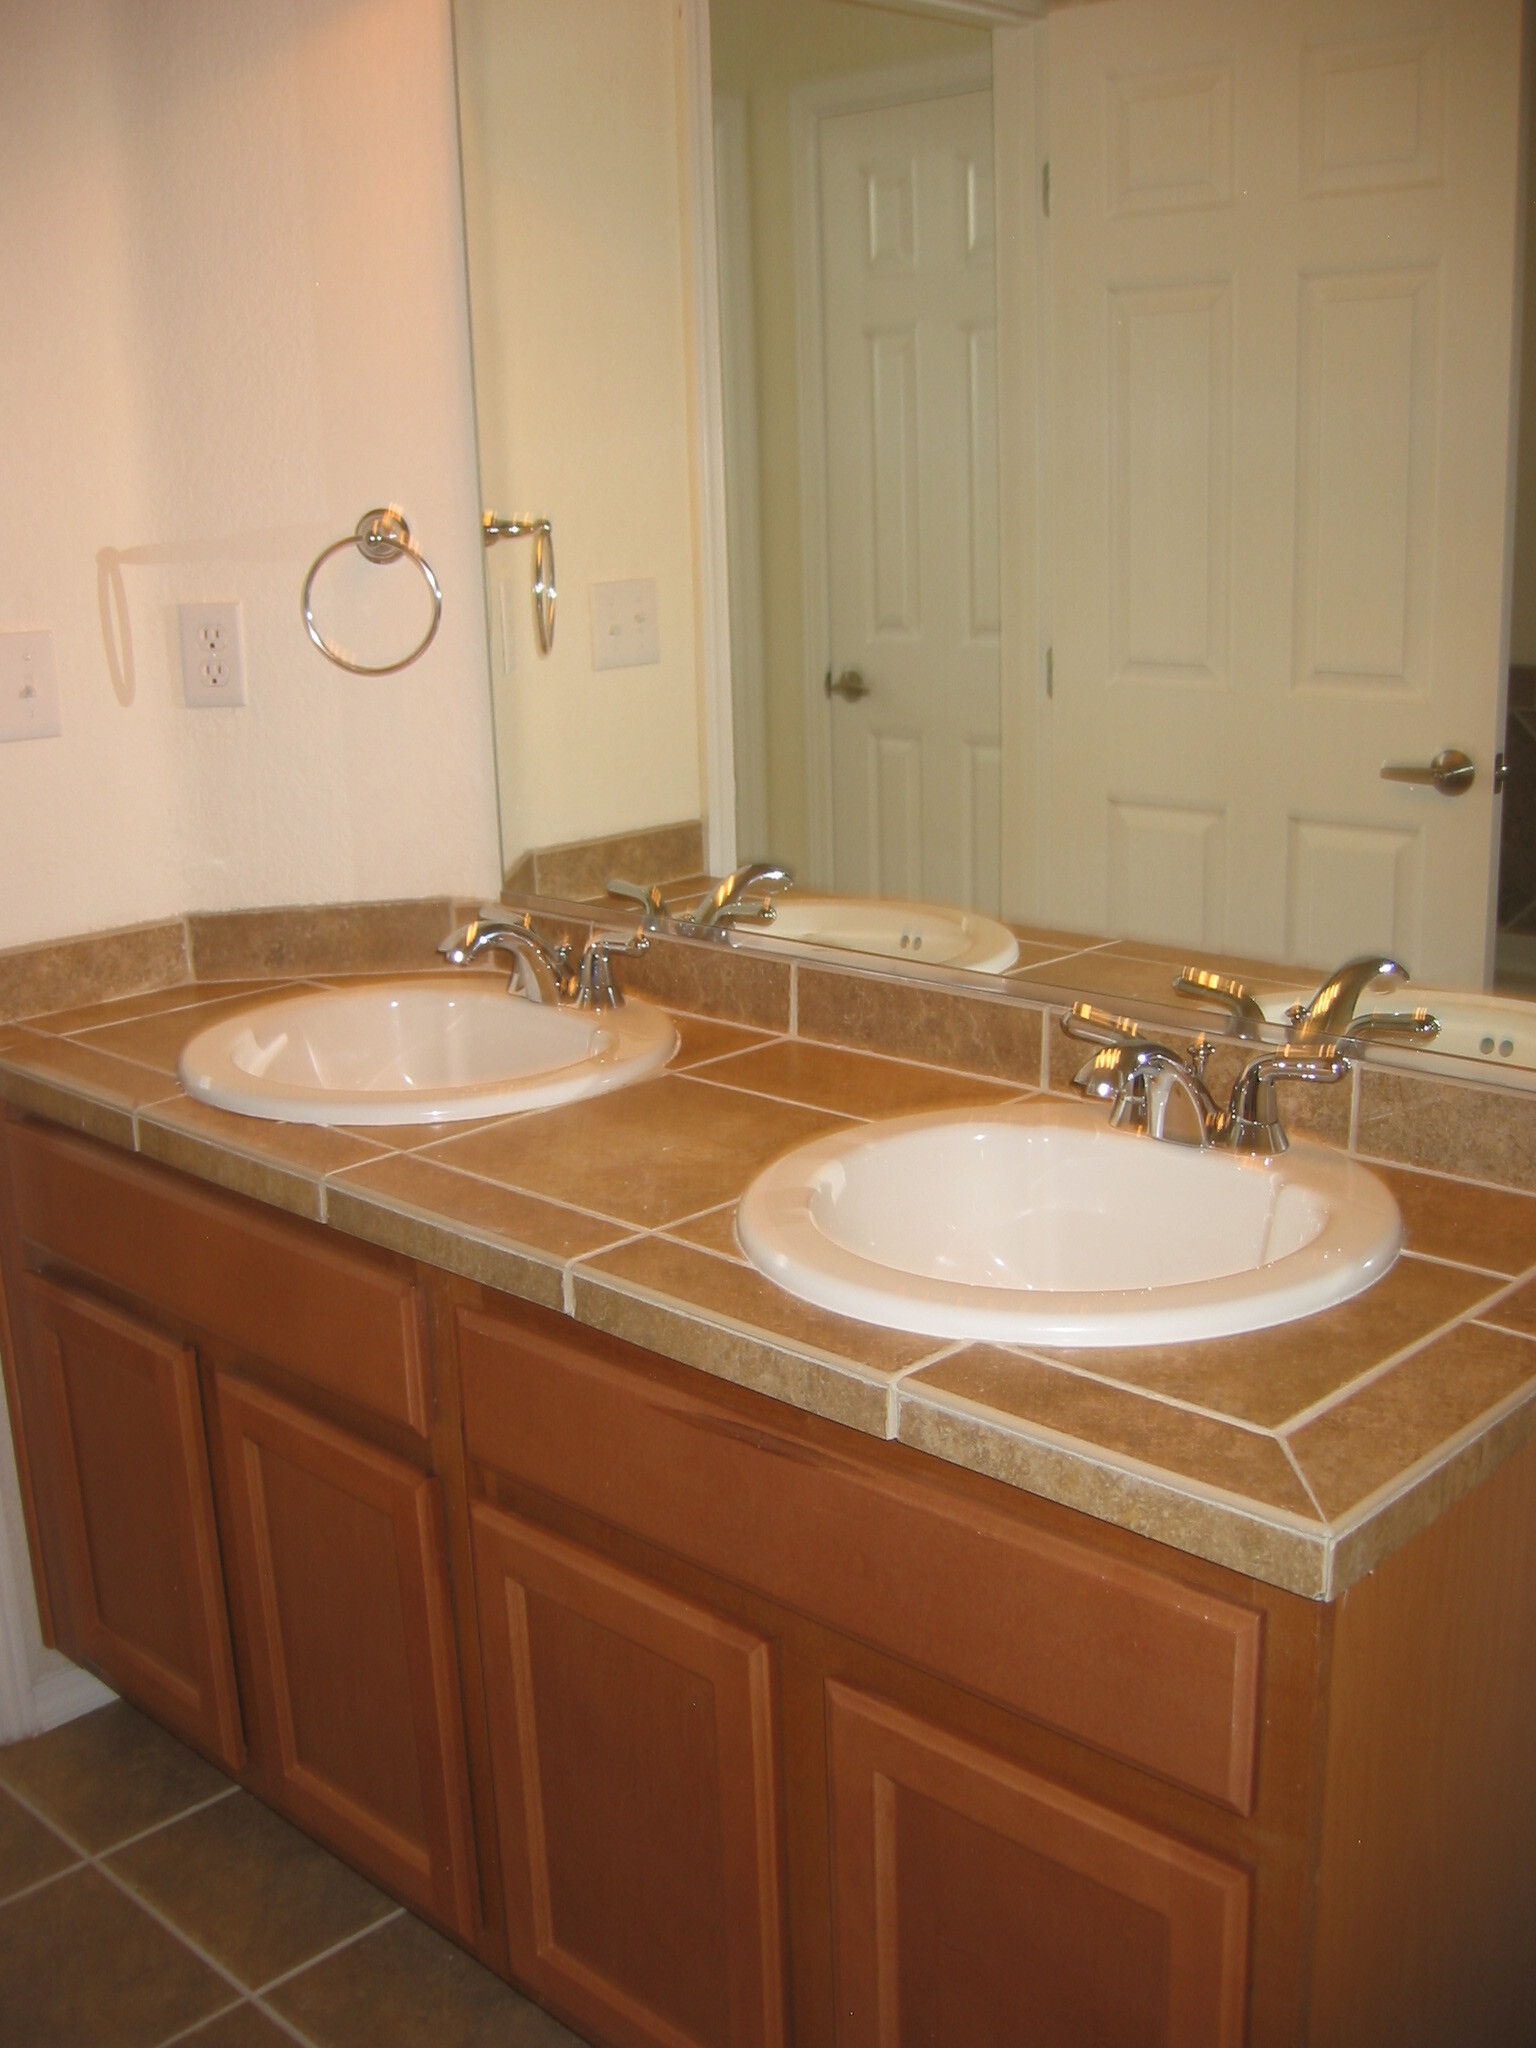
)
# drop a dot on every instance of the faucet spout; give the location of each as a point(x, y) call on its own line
point(729, 904)
point(538, 971)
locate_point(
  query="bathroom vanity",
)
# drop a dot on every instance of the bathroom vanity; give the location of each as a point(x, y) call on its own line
point(724, 1672)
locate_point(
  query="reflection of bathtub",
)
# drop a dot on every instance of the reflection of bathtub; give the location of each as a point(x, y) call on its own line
point(1480, 1035)
point(926, 933)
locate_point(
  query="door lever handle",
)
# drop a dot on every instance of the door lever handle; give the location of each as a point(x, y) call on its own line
point(1451, 772)
point(850, 685)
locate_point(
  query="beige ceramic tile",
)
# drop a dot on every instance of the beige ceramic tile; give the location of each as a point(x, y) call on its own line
point(92, 1016)
point(1376, 1434)
point(1282, 1554)
point(714, 1231)
point(646, 1155)
point(1018, 1390)
point(157, 1040)
point(87, 1090)
point(726, 1319)
point(1268, 1376)
point(710, 980)
point(1483, 1133)
point(61, 972)
point(1494, 1228)
point(852, 1083)
point(320, 939)
point(283, 1164)
point(703, 1038)
point(998, 1036)
point(1517, 1311)
point(505, 1240)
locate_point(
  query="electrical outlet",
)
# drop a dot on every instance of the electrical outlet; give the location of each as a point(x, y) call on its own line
point(212, 656)
point(626, 632)
point(29, 688)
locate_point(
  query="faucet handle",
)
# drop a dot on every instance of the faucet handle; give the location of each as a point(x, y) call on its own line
point(653, 905)
point(1102, 1027)
point(596, 987)
point(1253, 1119)
point(1391, 1027)
point(1244, 1016)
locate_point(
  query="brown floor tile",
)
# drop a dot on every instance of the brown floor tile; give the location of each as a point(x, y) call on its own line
point(852, 1083)
point(1407, 1414)
point(1494, 1228)
point(156, 1040)
point(283, 1164)
point(107, 1776)
point(645, 1155)
point(81, 1966)
point(1217, 1454)
point(1268, 1376)
point(714, 1231)
point(515, 1242)
point(405, 1987)
point(29, 1852)
point(703, 1038)
point(244, 2026)
point(783, 1347)
point(917, 1020)
point(1481, 1133)
point(251, 1891)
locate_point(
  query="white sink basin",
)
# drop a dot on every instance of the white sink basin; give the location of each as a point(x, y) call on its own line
point(1042, 1225)
point(895, 931)
point(418, 1052)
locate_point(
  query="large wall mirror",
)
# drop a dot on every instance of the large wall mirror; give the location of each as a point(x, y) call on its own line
point(1097, 447)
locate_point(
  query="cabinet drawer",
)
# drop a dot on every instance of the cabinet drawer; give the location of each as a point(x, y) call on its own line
point(279, 1290)
point(1163, 1674)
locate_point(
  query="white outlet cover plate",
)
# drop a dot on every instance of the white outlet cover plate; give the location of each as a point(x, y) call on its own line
point(29, 688)
point(626, 632)
point(212, 656)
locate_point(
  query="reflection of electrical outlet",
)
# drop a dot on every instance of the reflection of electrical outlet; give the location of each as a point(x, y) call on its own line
point(29, 688)
point(625, 630)
point(212, 656)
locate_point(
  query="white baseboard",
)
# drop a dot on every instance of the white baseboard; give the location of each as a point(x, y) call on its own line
point(66, 1695)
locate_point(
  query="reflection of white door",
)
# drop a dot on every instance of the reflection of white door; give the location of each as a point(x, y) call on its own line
point(1282, 276)
point(910, 364)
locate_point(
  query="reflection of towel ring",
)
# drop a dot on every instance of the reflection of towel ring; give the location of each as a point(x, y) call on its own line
point(381, 536)
point(544, 592)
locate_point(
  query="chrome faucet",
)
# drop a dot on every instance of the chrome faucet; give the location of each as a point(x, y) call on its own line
point(1330, 1015)
point(544, 973)
point(1141, 1079)
point(712, 915)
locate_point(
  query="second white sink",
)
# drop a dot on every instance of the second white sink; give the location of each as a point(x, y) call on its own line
point(419, 1052)
point(920, 932)
point(1043, 1225)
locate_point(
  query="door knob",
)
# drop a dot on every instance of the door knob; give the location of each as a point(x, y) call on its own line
point(850, 685)
point(1451, 772)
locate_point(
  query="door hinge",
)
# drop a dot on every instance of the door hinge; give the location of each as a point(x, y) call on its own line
point(1050, 672)
point(1045, 188)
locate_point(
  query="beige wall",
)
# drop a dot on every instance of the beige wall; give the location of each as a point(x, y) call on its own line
point(579, 263)
point(763, 49)
point(231, 320)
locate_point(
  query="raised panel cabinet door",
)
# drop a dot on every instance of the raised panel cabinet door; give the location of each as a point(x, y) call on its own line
point(978, 1902)
point(635, 1755)
point(144, 1591)
point(357, 1721)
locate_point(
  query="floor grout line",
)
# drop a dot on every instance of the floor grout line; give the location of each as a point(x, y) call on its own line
point(38, 1885)
point(324, 1955)
point(128, 1841)
point(196, 2026)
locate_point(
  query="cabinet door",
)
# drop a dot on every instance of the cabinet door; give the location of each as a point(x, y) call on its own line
point(357, 1724)
point(636, 1763)
point(975, 1901)
point(143, 1590)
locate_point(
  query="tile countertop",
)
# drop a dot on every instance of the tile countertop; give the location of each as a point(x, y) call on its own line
point(1301, 1455)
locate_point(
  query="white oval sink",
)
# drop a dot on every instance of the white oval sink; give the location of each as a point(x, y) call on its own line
point(895, 931)
point(418, 1052)
point(1042, 1225)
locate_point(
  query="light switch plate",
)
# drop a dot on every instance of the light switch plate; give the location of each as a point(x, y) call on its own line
point(29, 688)
point(626, 632)
point(212, 656)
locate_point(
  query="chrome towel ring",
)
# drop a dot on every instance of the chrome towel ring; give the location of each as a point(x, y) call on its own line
point(381, 535)
point(544, 592)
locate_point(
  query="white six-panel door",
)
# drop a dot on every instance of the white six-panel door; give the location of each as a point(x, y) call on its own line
point(910, 352)
point(1281, 278)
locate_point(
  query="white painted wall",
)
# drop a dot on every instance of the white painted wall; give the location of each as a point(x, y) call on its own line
point(580, 262)
point(232, 319)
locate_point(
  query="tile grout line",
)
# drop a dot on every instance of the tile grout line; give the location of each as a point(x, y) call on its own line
point(1289, 1452)
point(160, 1826)
point(38, 1884)
point(196, 2026)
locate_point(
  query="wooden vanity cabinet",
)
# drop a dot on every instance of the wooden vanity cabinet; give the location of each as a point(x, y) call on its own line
point(155, 1321)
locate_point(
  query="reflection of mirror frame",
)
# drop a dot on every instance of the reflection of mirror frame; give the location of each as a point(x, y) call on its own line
point(1013, 88)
